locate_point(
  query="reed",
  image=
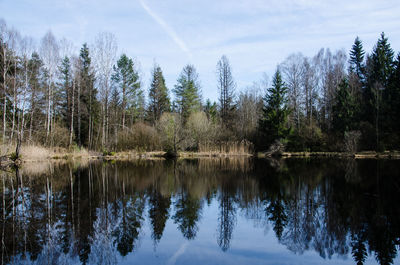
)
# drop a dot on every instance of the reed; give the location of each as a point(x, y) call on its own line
point(227, 147)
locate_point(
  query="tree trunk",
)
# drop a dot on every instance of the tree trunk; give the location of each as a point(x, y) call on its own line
point(5, 92)
point(33, 105)
point(14, 105)
point(71, 126)
point(48, 118)
point(123, 104)
point(24, 99)
point(79, 115)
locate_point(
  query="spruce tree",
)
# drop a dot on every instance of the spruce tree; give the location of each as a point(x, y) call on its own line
point(187, 92)
point(395, 89)
point(357, 59)
point(274, 121)
point(382, 62)
point(158, 95)
point(344, 109)
point(392, 107)
point(87, 106)
point(380, 69)
point(65, 90)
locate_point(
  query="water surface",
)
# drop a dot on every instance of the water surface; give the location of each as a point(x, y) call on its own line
point(204, 211)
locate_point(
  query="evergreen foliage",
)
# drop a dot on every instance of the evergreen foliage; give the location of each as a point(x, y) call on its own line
point(126, 83)
point(89, 107)
point(187, 92)
point(274, 121)
point(158, 95)
point(357, 59)
point(345, 109)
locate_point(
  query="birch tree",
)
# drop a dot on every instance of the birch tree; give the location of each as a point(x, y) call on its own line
point(13, 45)
point(6, 64)
point(293, 71)
point(105, 54)
point(49, 51)
point(26, 49)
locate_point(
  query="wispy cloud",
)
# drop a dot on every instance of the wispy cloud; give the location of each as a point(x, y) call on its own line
point(178, 253)
point(170, 31)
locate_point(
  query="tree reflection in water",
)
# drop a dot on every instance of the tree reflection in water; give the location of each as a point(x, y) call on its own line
point(94, 213)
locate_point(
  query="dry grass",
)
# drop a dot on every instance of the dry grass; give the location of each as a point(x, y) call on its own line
point(35, 153)
point(41, 153)
point(6, 149)
point(36, 169)
point(231, 148)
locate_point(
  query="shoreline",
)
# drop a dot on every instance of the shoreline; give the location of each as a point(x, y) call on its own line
point(41, 154)
point(359, 155)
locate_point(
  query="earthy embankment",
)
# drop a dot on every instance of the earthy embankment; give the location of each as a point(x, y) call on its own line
point(37, 154)
point(360, 155)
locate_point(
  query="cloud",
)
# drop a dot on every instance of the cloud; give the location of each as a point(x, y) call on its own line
point(178, 253)
point(171, 33)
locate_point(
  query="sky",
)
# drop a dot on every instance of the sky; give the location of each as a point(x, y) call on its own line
point(255, 35)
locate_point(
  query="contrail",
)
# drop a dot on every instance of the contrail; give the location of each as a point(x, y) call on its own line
point(177, 254)
point(167, 29)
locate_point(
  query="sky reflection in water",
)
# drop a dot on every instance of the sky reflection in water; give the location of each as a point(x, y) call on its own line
point(208, 211)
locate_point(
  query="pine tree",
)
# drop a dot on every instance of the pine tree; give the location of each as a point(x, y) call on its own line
point(274, 121)
point(187, 92)
point(158, 95)
point(126, 80)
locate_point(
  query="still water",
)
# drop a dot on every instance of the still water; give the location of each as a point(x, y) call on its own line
point(205, 211)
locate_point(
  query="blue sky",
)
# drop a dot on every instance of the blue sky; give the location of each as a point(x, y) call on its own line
point(256, 35)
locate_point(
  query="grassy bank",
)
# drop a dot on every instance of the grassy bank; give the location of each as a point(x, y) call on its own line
point(33, 153)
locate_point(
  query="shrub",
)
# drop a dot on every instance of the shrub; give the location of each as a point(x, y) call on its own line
point(171, 133)
point(140, 137)
point(351, 140)
point(13, 156)
point(198, 129)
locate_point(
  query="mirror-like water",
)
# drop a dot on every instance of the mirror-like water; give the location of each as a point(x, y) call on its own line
point(206, 211)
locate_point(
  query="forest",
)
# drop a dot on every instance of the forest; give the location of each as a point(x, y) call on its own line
point(94, 98)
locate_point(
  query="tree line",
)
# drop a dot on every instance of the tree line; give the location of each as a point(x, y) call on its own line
point(95, 99)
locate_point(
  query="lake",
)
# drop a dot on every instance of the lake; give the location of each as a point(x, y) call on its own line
point(202, 211)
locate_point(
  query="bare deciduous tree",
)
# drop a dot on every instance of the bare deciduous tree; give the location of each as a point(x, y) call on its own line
point(249, 108)
point(26, 49)
point(293, 70)
point(6, 64)
point(49, 51)
point(226, 87)
point(105, 55)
